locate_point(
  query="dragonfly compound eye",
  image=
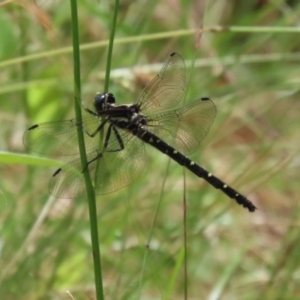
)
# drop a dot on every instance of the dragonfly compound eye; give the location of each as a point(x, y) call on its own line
point(101, 100)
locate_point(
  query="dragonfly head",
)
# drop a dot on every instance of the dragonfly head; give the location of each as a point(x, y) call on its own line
point(103, 101)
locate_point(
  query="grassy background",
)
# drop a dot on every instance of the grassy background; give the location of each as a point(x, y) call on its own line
point(253, 78)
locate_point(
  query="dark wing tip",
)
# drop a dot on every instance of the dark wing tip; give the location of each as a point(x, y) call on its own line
point(56, 172)
point(33, 127)
point(205, 99)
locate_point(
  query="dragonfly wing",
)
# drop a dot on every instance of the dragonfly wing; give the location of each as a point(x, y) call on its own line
point(68, 182)
point(167, 88)
point(186, 127)
point(58, 138)
point(110, 171)
point(118, 169)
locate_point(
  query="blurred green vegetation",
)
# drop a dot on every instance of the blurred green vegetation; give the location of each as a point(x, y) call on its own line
point(253, 78)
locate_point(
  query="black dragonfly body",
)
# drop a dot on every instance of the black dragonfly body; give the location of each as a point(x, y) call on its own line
point(121, 157)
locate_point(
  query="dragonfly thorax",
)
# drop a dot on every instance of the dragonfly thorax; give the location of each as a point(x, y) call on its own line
point(127, 116)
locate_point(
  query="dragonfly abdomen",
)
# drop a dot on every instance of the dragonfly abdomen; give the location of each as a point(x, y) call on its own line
point(153, 140)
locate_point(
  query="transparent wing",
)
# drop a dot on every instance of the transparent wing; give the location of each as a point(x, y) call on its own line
point(167, 88)
point(68, 182)
point(115, 171)
point(119, 169)
point(186, 127)
point(60, 138)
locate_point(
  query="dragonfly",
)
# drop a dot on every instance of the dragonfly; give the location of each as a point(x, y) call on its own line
point(115, 137)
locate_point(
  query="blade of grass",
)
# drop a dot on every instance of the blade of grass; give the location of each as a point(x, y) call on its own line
point(87, 178)
point(184, 204)
point(110, 46)
point(171, 284)
point(152, 37)
point(24, 159)
point(154, 222)
point(226, 276)
point(107, 73)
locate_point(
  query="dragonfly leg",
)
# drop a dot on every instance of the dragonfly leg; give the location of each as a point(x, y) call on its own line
point(99, 128)
point(88, 110)
point(99, 154)
point(118, 138)
point(107, 137)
